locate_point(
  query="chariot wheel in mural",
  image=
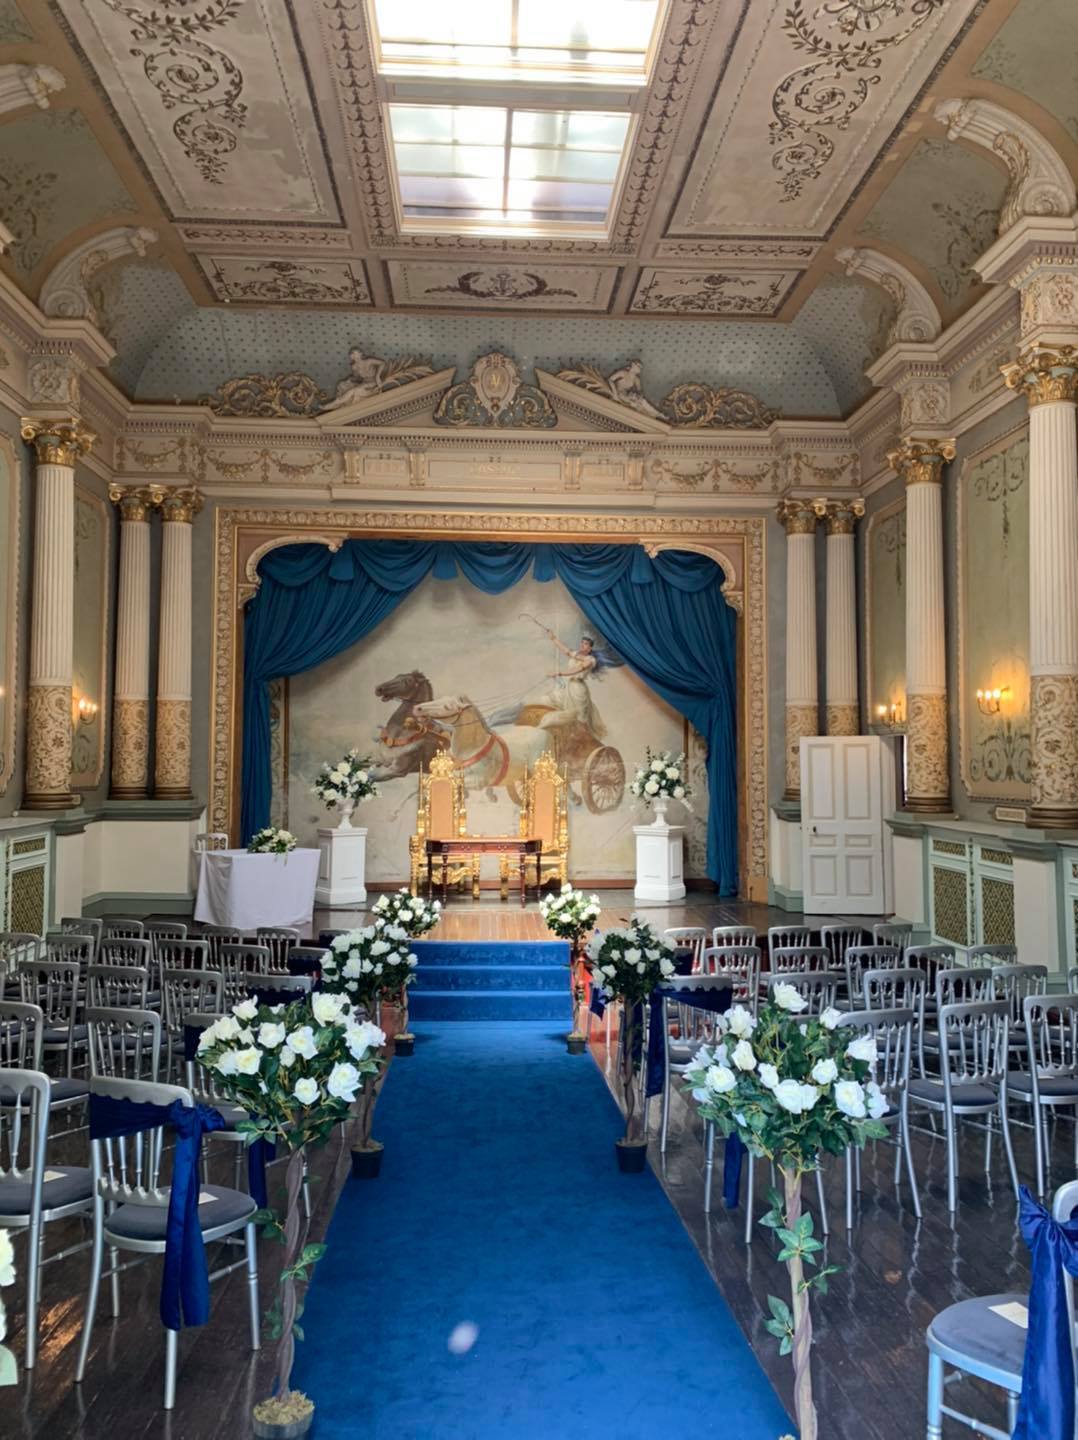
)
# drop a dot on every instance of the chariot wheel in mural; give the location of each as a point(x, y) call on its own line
point(593, 767)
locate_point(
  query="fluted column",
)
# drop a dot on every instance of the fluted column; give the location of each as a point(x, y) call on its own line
point(840, 674)
point(1049, 377)
point(131, 690)
point(172, 767)
point(57, 445)
point(928, 775)
point(798, 518)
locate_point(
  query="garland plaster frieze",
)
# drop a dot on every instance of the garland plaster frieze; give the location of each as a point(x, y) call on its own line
point(735, 542)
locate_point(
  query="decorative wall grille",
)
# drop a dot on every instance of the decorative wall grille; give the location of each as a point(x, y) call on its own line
point(997, 911)
point(24, 883)
point(950, 906)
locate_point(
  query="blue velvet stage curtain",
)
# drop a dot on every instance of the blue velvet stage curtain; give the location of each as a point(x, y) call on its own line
point(667, 616)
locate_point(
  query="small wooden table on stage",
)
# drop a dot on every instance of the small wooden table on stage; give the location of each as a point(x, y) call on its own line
point(518, 845)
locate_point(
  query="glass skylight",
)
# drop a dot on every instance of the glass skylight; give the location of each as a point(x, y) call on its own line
point(507, 167)
point(574, 40)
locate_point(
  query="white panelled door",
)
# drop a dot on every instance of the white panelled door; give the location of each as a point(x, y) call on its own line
point(842, 825)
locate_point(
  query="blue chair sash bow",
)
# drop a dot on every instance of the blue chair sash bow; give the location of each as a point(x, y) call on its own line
point(1046, 1408)
point(185, 1285)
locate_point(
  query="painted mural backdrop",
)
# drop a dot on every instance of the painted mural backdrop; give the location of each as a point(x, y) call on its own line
point(885, 597)
point(993, 620)
point(497, 680)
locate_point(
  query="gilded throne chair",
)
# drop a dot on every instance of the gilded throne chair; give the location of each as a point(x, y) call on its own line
point(544, 815)
point(441, 815)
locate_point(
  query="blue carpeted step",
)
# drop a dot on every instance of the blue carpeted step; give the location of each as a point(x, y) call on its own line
point(490, 1005)
point(554, 953)
point(489, 977)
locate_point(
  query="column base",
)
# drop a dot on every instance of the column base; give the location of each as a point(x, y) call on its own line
point(170, 792)
point(129, 792)
point(929, 804)
point(1057, 817)
point(31, 801)
point(791, 797)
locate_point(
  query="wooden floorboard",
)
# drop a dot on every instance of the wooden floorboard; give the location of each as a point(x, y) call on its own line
point(869, 1361)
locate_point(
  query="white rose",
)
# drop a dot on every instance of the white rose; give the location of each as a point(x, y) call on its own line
point(633, 956)
point(380, 947)
point(743, 1057)
point(679, 792)
point(672, 772)
point(740, 1022)
point(786, 997)
point(227, 1027)
point(720, 1079)
point(788, 1094)
point(327, 1008)
point(863, 1048)
point(303, 1042)
point(226, 1062)
point(666, 968)
point(352, 968)
point(850, 1099)
point(769, 1076)
point(287, 1056)
point(877, 1105)
point(824, 1072)
point(362, 776)
point(7, 1259)
point(652, 787)
point(270, 1035)
point(809, 1096)
point(306, 1091)
point(363, 1037)
point(245, 1010)
point(658, 766)
point(248, 1061)
point(344, 1080)
point(830, 1018)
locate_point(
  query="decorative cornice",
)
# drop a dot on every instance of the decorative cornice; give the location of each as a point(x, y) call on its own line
point(180, 506)
point(916, 319)
point(1040, 182)
point(1046, 373)
point(65, 293)
point(920, 462)
point(797, 517)
point(28, 85)
point(57, 442)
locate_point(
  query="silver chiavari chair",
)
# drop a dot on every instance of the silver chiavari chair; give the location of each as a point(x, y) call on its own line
point(741, 965)
point(1013, 982)
point(955, 986)
point(799, 959)
point(279, 940)
point(123, 950)
point(819, 988)
point(122, 927)
point(78, 949)
point(217, 935)
point(723, 936)
point(898, 989)
point(187, 992)
point(202, 1083)
point(932, 959)
point(972, 1081)
point(288, 987)
point(786, 937)
point(688, 937)
point(186, 954)
point(130, 1210)
point(54, 986)
point(159, 933)
point(861, 958)
point(978, 956)
point(892, 932)
point(117, 987)
point(22, 1028)
point(15, 947)
point(677, 1054)
point(837, 939)
point(210, 840)
point(33, 1191)
point(125, 1044)
point(240, 965)
point(893, 1032)
point(1050, 1084)
point(83, 925)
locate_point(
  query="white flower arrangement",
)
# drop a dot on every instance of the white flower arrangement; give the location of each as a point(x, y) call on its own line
point(628, 964)
point(411, 913)
point(661, 776)
point(9, 1373)
point(364, 964)
point(348, 779)
point(271, 841)
point(570, 914)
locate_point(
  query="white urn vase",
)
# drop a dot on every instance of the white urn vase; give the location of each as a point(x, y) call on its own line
point(347, 805)
point(660, 805)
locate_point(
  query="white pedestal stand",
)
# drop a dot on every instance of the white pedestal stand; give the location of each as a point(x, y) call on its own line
point(342, 865)
point(660, 877)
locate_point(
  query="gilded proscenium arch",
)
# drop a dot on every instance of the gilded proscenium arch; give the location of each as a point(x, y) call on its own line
point(735, 542)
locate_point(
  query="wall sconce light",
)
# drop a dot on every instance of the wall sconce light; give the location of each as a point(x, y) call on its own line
point(989, 701)
point(85, 710)
point(889, 715)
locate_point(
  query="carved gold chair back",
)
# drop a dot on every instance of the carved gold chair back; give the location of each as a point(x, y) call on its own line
point(441, 815)
point(545, 815)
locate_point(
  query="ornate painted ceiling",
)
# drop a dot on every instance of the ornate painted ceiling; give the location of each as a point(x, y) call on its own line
point(251, 137)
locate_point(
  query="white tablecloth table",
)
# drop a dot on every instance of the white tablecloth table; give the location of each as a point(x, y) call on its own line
point(244, 891)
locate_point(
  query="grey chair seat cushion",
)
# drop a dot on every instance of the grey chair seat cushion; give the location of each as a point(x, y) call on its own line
point(62, 1090)
point(1051, 1087)
point(992, 1346)
point(72, 1183)
point(148, 1222)
point(57, 1034)
point(960, 1094)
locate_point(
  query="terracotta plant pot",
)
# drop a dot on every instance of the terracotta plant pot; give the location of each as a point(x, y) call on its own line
point(367, 1164)
point(632, 1156)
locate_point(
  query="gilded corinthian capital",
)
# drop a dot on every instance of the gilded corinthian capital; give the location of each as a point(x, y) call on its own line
point(1045, 373)
point(134, 502)
point(920, 462)
point(57, 442)
point(840, 517)
point(797, 517)
point(180, 506)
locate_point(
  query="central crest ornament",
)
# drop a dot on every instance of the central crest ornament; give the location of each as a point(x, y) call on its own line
point(495, 394)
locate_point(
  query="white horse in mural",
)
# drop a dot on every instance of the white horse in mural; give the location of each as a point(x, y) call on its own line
point(486, 758)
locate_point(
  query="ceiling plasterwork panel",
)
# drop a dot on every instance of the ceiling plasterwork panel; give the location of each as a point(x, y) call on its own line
point(712, 292)
point(215, 101)
point(529, 287)
point(809, 97)
point(13, 27)
point(267, 237)
point(294, 281)
point(1026, 55)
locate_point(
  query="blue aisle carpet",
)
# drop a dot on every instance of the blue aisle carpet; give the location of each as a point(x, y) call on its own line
point(500, 1207)
point(491, 980)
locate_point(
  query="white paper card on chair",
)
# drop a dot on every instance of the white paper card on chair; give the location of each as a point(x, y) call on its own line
point(52, 1175)
point(1014, 1312)
point(204, 1199)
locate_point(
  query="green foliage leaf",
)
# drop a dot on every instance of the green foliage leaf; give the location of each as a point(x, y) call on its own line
point(780, 1310)
point(311, 1254)
point(297, 1331)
